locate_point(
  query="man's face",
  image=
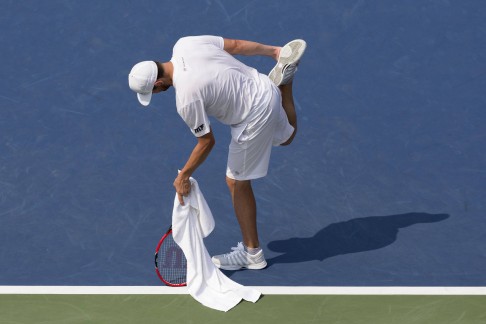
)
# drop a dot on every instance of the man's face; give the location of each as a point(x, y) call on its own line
point(161, 84)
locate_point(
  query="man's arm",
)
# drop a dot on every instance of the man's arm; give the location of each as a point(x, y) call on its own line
point(200, 152)
point(244, 47)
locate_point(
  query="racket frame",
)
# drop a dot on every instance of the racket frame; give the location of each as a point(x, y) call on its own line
point(156, 257)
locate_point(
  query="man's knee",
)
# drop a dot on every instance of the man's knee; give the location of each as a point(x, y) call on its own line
point(234, 184)
point(286, 143)
point(230, 182)
point(290, 139)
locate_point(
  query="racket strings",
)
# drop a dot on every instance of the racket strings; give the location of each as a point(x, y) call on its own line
point(171, 263)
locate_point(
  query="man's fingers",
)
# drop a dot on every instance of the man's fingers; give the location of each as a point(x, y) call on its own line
point(186, 187)
point(183, 188)
point(181, 199)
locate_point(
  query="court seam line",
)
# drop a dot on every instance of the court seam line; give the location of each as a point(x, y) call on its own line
point(266, 290)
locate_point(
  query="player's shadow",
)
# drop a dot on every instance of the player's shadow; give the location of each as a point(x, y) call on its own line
point(356, 235)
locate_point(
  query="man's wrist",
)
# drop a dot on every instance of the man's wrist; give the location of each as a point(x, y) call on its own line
point(184, 175)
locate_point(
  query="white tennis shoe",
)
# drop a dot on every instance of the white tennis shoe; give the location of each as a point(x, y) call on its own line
point(239, 259)
point(288, 60)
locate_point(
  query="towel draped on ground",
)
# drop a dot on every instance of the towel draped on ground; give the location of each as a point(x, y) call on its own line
point(206, 283)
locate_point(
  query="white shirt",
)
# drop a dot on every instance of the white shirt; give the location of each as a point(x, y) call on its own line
point(211, 82)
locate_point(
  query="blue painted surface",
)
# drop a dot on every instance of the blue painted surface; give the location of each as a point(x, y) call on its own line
point(384, 184)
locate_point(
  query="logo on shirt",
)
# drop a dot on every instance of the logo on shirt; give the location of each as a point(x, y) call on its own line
point(184, 67)
point(199, 129)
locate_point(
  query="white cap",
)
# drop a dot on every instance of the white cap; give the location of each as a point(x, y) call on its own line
point(141, 80)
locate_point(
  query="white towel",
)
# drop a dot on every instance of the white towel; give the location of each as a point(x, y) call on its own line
point(206, 283)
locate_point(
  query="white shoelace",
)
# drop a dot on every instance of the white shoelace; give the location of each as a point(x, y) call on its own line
point(236, 249)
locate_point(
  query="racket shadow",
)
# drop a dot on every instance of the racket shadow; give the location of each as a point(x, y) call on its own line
point(356, 235)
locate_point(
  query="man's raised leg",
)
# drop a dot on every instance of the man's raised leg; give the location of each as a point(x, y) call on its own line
point(282, 75)
point(289, 107)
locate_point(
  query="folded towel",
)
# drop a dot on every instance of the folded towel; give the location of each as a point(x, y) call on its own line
point(206, 283)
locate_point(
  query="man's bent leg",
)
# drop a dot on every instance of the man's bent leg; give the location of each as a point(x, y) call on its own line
point(289, 107)
point(245, 209)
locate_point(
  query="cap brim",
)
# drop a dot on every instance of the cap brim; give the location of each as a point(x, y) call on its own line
point(144, 98)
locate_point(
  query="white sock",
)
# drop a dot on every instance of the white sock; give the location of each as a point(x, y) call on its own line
point(252, 251)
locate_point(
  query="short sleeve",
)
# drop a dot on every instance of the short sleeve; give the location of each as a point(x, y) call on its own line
point(195, 117)
point(217, 41)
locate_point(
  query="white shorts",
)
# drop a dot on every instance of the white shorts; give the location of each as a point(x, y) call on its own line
point(252, 140)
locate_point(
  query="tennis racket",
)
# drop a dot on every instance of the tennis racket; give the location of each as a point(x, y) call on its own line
point(170, 262)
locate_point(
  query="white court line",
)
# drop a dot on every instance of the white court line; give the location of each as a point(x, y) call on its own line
point(266, 290)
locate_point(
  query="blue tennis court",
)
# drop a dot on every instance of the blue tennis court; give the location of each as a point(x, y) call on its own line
point(384, 185)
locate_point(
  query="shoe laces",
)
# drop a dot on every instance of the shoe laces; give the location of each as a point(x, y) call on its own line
point(236, 249)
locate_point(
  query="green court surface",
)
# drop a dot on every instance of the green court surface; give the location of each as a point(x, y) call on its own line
point(68, 309)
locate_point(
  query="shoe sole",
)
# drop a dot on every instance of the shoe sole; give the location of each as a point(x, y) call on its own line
point(297, 48)
point(257, 266)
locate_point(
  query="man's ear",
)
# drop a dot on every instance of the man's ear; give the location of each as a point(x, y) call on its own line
point(158, 82)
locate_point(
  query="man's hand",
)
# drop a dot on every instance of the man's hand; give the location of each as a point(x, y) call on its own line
point(182, 185)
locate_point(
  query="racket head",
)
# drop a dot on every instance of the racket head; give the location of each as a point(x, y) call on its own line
point(170, 262)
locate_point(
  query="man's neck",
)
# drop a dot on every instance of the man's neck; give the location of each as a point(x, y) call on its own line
point(168, 69)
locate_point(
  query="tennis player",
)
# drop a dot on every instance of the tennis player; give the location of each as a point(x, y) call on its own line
point(210, 82)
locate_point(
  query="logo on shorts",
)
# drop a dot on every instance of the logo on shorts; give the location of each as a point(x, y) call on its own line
point(199, 129)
